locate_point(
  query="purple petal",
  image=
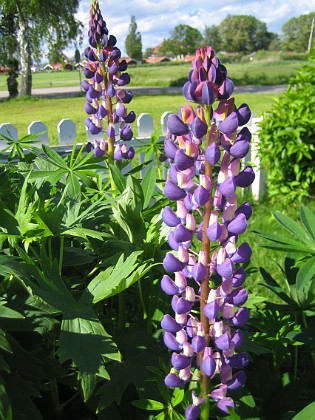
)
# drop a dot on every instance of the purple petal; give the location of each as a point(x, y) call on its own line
point(207, 93)
point(223, 342)
point(237, 380)
point(192, 412)
point(169, 217)
point(169, 324)
point(246, 209)
point(214, 231)
point(180, 361)
point(129, 118)
point(238, 361)
point(171, 342)
point(238, 338)
point(201, 195)
point(241, 317)
point(245, 177)
point(226, 89)
point(199, 128)
point(211, 309)
point(243, 113)
point(199, 271)
point(198, 343)
point(126, 133)
point(172, 264)
point(186, 91)
point(168, 286)
point(173, 192)
point(89, 109)
point(227, 188)
point(176, 126)
point(239, 277)
point(213, 154)
point(182, 161)
point(238, 296)
point(225, 404)
point(238, 225)
point(182, 234)
point(123, 80)
point(208, 366)
point(239, 149)
point(181, 306)
point(171, 241)
point(173, 381)
point(242, 254)
point(230, 124)
point(226, 268)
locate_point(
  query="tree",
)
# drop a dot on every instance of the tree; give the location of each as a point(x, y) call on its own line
point(244, 34)
point(212, 37)
point(43, 17)
point(184, 40)
point(133, 43)
point(148, 52)
point(296, 33)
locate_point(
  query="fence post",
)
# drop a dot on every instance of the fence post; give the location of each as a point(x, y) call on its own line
point(8, 130)
point(67, 131)
point(37, 127)
point(164, 119)
point(259, 185)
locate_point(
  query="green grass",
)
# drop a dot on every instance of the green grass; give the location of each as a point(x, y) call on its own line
point(50, 111)
point(250, 73)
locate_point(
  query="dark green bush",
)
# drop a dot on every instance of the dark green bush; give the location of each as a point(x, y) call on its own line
point(287, 139)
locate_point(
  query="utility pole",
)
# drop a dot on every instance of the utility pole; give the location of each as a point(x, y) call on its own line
point(311, 36)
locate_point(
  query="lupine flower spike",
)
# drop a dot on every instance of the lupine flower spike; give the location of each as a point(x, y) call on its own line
point(105, 95)
point(204, 147)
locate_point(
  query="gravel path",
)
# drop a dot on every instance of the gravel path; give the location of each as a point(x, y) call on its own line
point(64, 92)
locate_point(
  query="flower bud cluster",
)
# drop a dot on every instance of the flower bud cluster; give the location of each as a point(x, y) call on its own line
point(205, 147)
point(105, 95)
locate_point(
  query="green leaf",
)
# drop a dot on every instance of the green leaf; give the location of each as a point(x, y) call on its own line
point(54, 157)
point(73, 186)
point(6, 312)
point(274, 286)
point(104, 286)
point(308, 219)
point(147, 404)
point(305, 273)
point(4, 344)
point(295, 228)
point(84, 233)
point(283, 243)
point(307, 413)
point(305, 336)
point(148, 185)
point(178, 396)
point(84, 340)
point(118, 178)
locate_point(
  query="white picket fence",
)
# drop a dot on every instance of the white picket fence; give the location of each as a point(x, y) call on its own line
point(67, 135)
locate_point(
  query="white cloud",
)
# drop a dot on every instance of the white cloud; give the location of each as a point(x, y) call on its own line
point(157, 18)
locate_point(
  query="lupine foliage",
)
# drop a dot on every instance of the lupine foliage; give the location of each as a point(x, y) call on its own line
point(82, 250)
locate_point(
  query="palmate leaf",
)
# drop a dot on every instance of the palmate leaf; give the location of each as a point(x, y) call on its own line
point(5, 404)
point(274, 286)
point(84, 340)
point(118, 178)
point(148, 185)
point(147, 404)
point(284, 243)
point(307, 413)
point(308, 219)
point(293, 227)
point(305, 274)
point(104, 285)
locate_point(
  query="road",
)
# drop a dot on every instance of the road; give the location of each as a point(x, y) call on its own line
point(66, 92)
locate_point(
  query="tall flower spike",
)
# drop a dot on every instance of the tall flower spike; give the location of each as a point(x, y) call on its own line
point(197, 141)
point(105, 95)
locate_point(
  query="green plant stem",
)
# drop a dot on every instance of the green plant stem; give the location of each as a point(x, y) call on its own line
point(50, 251)
point(145, 315)
point(62, 244)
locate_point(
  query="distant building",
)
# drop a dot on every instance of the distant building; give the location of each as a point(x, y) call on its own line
point(53, 67)
point(154, 60)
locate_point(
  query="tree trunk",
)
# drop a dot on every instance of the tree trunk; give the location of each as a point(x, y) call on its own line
point(25, 56)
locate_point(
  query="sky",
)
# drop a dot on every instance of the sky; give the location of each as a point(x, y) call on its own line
point(157, 18)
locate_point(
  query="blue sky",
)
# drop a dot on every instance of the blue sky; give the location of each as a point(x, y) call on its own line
point(156, 18)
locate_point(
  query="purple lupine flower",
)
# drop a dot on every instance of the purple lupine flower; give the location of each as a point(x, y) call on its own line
point(104, 71)
point(196, 141)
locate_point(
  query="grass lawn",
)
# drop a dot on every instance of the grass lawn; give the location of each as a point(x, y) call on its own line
point(50, 111)
point(250, 73)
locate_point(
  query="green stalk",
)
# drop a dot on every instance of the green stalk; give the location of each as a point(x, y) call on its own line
point(62, 244)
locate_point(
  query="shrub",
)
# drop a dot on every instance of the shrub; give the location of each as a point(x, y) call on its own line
point(287, 139)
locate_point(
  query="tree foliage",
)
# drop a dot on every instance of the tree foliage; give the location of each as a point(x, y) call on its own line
point(50, 20)
point(244, 34)
point(212, 37)
point(133, 42)
point(184, 40)
point(287, 139)
point(296, 33)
